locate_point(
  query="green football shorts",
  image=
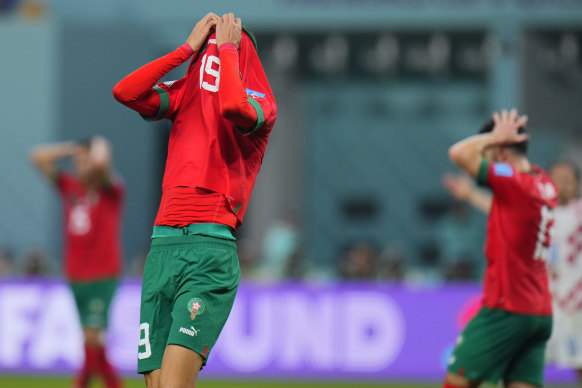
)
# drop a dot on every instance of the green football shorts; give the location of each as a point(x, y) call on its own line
point(497, 344)
point(93, 300)
point(188, 290)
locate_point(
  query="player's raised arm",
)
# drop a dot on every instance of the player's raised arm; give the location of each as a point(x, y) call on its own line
point(138, 90)
point(100, 156)
point(462, 188)
point(234, 102)
point(467, 153)
point(45, 157)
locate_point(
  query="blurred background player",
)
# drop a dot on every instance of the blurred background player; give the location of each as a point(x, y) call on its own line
point(507, 338)
point(565, 345)
point(565, 272)
point(222, 114)
point(92, 200)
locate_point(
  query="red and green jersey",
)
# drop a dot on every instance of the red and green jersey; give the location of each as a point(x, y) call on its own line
point(222, 113)
point(518, 238)
point(92, 229)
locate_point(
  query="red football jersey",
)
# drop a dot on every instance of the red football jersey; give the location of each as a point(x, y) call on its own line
point(92, 229)
point(206, 150)
point(518, 239)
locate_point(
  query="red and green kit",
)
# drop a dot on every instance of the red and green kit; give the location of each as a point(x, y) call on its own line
point(222, 114)
point(507, 338)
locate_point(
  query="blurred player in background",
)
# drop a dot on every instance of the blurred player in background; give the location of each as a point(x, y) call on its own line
point(507, 338)
point(565, 264)
point(92, 199)
point(565, 346)
point(222, 113)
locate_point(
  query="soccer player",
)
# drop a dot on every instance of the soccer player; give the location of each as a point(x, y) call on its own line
point(222, 114)
point(507, 338)
point(565, 346)
point(92, 199)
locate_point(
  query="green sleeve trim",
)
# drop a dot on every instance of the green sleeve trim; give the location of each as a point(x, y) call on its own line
point(146, 118)
point(251, 35)
point(164, 105)
point(260, 115)
point(237, 207)
point(483, 172)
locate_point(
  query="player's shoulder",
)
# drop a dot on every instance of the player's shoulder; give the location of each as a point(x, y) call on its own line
point(544, 185)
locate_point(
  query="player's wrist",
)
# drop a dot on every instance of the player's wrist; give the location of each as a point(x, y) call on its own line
point(227, 46)
point(187, 48)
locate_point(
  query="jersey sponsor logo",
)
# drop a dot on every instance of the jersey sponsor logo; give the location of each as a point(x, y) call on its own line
point(254, 93)
point(192, 332)
point(211, 41)
point(196, 306)
point(502, 169)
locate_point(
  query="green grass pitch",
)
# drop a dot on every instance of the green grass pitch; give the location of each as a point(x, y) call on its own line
point(57, 382)
point(60, 382)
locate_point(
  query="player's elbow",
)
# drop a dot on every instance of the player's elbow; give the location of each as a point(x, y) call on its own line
point(119, 93)
point(233, 112)
point(456, 154)
point(229, 111)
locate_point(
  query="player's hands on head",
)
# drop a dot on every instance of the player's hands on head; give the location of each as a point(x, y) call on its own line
point(228, 30)
point(459, 185)
point(507, 125)
point(201, 31)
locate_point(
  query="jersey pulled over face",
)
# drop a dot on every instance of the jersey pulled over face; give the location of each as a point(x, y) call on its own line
point(206, 150)
point(518, 238)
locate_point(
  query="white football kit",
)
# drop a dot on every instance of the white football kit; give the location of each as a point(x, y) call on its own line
point(565, 346)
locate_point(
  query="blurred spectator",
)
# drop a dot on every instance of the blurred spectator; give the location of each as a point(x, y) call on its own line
point(460, 242)
point(36, 263)
point(281, 244)
point(6, 263)
point(296, 268)
point(359, 262)
point(138, 263)
point(247, 258)
point(391, 263)
point(462, 238)
point(7, 5)
point(428, 270)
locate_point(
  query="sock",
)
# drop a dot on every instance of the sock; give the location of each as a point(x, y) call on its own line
point(449, 385)
point(106, 370)
point(84, 374)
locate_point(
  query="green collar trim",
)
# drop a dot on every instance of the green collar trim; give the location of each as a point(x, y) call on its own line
point(251, 35)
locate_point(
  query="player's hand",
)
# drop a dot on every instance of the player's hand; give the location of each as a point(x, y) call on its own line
point(201, 31)
point(507, 125)
point(459, 185)
point(228, 30)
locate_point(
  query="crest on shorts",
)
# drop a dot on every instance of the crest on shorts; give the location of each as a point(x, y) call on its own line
point(196, 306)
